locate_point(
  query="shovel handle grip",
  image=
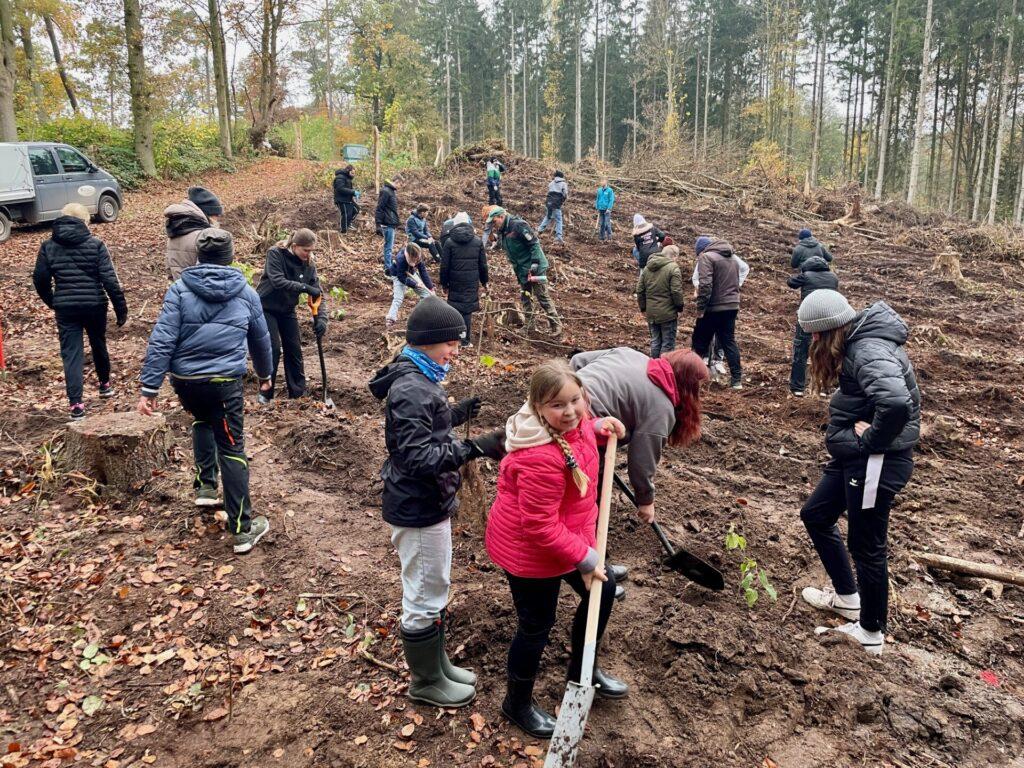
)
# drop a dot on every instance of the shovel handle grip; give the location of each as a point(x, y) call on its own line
point(314, 304)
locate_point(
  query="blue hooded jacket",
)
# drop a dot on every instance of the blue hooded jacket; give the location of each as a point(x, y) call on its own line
point(417, 228)
point(605, 199)
point(208, 317)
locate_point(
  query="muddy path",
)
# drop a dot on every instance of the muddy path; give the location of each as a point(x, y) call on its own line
point(131, 636)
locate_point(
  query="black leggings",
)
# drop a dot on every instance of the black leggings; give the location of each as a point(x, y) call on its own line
point(841, 489)
point(285, 341)
point(536, 601)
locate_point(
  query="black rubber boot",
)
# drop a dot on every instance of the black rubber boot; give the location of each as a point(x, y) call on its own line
point(608, 687)
point(428, 682)
point(620, 572)
point(519, 707)
point(452, 672)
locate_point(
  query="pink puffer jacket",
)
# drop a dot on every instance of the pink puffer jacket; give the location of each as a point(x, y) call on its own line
point(539, 524)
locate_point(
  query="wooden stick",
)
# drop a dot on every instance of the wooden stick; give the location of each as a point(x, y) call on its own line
point(969, 568)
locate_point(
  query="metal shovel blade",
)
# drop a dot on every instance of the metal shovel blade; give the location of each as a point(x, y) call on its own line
point(572, 720)
point(696, 570)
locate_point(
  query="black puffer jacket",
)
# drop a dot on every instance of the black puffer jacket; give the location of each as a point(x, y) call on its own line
point(285, 278)
point(421, 473)
point(807, 248)
point(463, 268)
point(876, 385)
point(386, 214)
point(79, 265)
point(343, 192)
point(814, 274)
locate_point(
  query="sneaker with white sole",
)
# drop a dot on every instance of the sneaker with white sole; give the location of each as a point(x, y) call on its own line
point(106, 390)
point(246, 541)
point(828, 600)
point(872, 642)
point(206, 497)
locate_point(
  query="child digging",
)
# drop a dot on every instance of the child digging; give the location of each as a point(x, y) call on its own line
point(209, 316)
point(542, 531)
point(421, 478)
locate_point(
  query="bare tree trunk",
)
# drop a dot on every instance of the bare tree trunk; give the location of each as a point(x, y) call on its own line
point(526, 59)
point(818, 107)
point(142, 120)
point(8, 74)
point(578, 125)
point(707, 90)
point(59, 61)
point(922, 98)
point(272, 12)
point(604, 100)
point(329, 56)
point(597, 37)
point(958, 127)
point(890, 68)
point(30, 70)
point(512, 82)
point(979, 178)
point(1004, 107)
point(220, 79)
point(1018, 209)
point(458, 72)
point(696, 109)
point(935, 127)
point(447, 90)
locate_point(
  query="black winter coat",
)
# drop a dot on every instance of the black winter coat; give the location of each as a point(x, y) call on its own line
point(285, 277)
point(343, 192)
point(79, 265)
point(387, 207)
point(463, 268)
point(421, 473)
point(807, 248)
point(876, 385)
point(647, 243)
point(814, 274)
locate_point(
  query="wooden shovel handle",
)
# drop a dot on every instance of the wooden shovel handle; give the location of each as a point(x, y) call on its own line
point(603, 514)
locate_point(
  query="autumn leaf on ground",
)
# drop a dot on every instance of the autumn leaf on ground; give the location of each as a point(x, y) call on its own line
point(215, 714)
point(478, 721)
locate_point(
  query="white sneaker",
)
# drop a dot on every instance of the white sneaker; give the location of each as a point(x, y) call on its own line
point(871, 642)
point(828, 600)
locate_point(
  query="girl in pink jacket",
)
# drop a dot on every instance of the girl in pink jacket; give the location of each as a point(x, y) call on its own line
point(542, 531)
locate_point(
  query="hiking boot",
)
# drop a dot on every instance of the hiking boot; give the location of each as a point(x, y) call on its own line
point(244, 542)
point(620, 572)
point(620, 592)
point(828, 600)
point(77, 411)
point(106, 390)
point(872, 642)
point(519, 707)
point(206, 497)
point(428, 683)
point(452, 672)
point(556, 328)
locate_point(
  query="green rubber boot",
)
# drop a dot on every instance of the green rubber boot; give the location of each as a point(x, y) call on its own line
point(452, 672)
point(428, 683)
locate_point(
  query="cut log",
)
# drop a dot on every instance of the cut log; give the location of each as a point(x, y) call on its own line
point(970, 568)
point(118, 450)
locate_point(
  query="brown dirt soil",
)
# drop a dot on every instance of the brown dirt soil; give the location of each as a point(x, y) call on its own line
point(131, 636)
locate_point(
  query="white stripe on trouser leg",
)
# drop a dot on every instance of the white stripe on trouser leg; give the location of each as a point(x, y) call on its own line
point(426, 555)
point(871, 478)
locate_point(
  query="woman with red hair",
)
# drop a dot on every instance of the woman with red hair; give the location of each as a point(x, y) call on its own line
point(657, 400)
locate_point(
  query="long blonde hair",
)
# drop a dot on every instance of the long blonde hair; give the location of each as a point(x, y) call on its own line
point(547, 381)
point(826, 356)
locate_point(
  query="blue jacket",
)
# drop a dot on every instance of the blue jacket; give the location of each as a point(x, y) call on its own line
point(605, 199)
point(400, 268)
point(207, 318)
point(417, 228)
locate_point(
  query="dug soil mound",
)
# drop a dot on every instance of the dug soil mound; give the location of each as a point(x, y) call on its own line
point(131, 636)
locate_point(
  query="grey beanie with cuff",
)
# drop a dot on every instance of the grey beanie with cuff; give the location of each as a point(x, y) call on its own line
point(215, 246)
point(824, 310)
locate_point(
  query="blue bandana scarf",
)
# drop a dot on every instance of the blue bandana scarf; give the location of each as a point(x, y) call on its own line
point(429, 368)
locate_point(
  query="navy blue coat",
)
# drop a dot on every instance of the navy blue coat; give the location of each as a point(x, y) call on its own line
point(208, 318)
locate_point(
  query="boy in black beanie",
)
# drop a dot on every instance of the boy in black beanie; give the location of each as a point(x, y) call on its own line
point(421, 479)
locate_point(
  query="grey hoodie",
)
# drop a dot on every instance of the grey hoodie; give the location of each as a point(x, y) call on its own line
point(618, 385)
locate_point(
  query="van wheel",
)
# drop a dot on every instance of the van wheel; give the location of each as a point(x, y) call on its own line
point(5, 227)
point(108, 210)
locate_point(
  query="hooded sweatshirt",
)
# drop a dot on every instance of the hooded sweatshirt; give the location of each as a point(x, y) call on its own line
point(539, 525)
point(647, 239)
point(718, 279)
point(659, 291)
point(74, 273)
point(558, 193)
point(184, 222)
point(877, 385)
point(805, 249)
point(208, 318)
point(814, 274)
point(619, 385)
point(343, 191)
point(421, 472)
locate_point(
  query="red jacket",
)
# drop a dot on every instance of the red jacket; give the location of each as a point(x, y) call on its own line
point(539, 524)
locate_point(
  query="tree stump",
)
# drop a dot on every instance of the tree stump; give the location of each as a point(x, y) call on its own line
point(118, 450)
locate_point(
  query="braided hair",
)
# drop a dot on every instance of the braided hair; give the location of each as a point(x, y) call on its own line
point(546, 382)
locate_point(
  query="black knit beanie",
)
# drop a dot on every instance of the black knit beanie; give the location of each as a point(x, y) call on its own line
point(434, 321)
point(215, 246)
point(207, 202)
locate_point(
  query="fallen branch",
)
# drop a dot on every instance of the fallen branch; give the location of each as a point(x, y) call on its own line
point(970, 568)
point(382, 664)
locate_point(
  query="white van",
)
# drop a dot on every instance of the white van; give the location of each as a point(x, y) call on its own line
point(38, 178)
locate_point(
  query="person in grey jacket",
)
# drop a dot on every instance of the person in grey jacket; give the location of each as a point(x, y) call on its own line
point(558, 193)
point(874, 424)
point(807, 247)
point(208, 319)
point(185, 220)
point(718, 302)
point(814, 274)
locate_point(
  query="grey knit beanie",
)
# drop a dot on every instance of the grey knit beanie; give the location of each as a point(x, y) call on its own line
point(824, 310)
point(215, 246)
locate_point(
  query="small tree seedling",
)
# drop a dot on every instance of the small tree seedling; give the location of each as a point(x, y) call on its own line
point(751, 574)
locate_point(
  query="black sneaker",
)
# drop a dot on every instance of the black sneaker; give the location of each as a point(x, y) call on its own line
point(106, 390)
point(77, 411)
